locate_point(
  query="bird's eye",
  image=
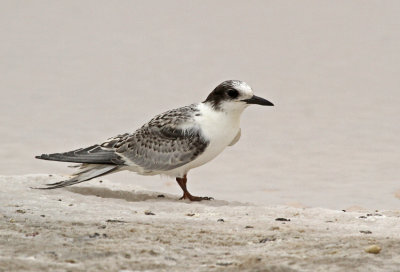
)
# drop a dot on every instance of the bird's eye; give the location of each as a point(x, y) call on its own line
point(233, 93)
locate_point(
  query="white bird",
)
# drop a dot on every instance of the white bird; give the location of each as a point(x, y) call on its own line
point(171, 143)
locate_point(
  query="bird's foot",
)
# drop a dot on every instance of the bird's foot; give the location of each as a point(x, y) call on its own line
point(195, 198)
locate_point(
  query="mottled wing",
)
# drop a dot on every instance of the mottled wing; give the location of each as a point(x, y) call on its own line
point(168, 141)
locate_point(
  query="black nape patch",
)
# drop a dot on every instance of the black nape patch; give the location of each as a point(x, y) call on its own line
point(224, 91)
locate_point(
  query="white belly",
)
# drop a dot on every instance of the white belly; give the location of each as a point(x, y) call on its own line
point(219, 129)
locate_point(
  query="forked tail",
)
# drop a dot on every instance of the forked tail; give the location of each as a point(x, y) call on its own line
point(96, 162)
point(86, 172)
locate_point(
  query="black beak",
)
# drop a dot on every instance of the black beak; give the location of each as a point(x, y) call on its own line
point(258, 100)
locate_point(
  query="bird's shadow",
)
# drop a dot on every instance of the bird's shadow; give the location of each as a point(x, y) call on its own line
point(137, 196)
point(131, 196)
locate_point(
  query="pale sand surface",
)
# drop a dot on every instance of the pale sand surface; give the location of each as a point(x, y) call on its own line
point(104, 227)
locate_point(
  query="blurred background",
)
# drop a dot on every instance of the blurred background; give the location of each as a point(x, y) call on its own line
point(73, 73)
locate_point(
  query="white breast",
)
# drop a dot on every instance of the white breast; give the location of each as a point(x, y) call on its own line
point(219, 128)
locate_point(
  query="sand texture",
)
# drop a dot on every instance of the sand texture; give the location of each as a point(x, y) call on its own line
point(104, 227)
point(74, 73)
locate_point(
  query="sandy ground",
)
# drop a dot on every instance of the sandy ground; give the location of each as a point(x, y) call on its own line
point(108, 227)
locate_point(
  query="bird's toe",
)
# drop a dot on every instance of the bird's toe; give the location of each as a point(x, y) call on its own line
point(195, 198)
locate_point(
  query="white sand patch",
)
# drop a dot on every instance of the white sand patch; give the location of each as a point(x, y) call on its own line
point(104, 227)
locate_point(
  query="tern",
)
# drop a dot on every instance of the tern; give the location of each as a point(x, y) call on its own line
point(172, 143)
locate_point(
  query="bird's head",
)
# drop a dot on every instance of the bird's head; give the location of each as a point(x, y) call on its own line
point(234, 95)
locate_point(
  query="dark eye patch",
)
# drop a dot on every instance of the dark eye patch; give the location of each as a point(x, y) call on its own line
point(233, 93)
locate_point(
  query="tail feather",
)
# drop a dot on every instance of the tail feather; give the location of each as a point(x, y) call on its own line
point(93, 154)
point(86, 172)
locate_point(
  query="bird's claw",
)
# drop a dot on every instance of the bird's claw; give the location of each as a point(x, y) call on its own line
point(195, 198)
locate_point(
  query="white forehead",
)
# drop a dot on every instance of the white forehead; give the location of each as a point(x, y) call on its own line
point(242, 87)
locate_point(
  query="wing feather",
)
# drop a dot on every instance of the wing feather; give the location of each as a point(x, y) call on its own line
point(93, 154)
point(168, 141)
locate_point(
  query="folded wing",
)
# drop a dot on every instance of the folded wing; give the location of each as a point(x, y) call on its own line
point(93, 154)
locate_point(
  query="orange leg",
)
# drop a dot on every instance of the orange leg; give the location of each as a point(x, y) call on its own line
point(186, 195)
